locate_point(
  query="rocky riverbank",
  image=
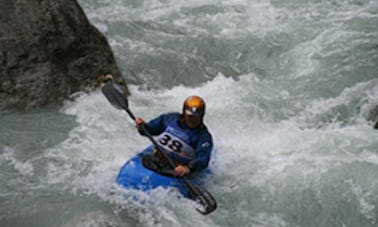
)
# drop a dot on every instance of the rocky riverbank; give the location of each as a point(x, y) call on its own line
point(49, 50)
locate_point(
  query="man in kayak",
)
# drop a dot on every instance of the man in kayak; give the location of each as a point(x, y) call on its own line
point(184, 137)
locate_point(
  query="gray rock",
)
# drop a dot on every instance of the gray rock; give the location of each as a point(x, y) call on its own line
point(373, 116)
point(49, 50)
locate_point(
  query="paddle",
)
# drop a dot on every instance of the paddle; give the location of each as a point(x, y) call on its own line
point(118, 98)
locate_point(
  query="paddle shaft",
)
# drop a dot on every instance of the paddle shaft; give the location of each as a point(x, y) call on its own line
point(171, 163)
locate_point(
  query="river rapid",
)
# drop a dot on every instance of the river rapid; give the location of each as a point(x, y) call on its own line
point(291, 88)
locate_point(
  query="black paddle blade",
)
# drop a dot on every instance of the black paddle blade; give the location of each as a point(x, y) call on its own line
point(115, 95)
point(206, 201)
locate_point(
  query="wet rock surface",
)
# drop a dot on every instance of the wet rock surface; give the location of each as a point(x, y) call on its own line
point(49, 50)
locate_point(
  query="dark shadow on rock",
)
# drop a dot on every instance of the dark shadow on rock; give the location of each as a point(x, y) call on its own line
point(373, 116)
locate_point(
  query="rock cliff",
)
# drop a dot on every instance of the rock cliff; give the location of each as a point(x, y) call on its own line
point(48, 50)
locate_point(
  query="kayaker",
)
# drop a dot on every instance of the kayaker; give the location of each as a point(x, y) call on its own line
point(183, 136)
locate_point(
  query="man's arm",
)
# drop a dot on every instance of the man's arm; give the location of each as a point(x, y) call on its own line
point(204, 149)
point(154, 127)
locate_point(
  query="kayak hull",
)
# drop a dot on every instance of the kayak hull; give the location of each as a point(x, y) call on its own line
point(133, 175)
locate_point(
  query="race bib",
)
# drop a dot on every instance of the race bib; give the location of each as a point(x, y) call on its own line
point(173, 143)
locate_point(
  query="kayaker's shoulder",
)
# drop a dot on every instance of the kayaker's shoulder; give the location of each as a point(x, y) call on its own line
point(170, 115)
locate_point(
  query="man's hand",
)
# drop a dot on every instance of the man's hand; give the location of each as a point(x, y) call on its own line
point(181, 170)
point(138, 122)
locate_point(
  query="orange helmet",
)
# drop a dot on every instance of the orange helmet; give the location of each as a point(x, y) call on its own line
point(194, 105)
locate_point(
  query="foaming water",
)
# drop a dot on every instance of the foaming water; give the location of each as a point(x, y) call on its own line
point(267, 171)
point(299, 44)
point(291, 91)
point(270, 169)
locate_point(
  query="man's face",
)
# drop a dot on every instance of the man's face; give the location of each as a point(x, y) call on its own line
point(192, 121)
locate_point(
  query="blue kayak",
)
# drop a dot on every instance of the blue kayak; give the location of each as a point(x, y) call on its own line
point(134, 175)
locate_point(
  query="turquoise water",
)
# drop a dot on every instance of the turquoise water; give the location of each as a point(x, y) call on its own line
point(291, 87)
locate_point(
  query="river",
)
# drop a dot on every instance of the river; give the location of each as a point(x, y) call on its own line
point(290, 87)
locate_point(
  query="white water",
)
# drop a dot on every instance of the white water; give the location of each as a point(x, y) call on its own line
point(266, 173)
point(290, 87)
